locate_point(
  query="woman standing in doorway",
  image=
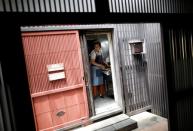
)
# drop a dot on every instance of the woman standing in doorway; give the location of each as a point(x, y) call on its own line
point(97, 65)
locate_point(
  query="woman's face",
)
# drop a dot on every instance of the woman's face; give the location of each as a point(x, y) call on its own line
point(97, 47)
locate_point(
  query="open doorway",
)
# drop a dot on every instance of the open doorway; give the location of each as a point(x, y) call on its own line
point(100, 73)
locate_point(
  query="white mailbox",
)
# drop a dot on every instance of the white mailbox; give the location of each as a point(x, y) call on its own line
point(136, 46)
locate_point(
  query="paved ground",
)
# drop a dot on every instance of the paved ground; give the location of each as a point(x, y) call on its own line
point(149, 122)
point(119, 122)
point(146, 122)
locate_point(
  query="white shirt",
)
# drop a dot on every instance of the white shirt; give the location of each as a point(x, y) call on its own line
point(93, 54)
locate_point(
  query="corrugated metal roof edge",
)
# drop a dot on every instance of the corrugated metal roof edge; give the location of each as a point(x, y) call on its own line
point(65, 27)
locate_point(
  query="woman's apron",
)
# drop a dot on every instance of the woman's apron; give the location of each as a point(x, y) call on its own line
point(96, 72)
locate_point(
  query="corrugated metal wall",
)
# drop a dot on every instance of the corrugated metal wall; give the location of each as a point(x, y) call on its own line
point(148, 6)
point(151, 34)
point(47, 6)
point(115, 6)
point(156, 68)
point(181, 48)
point(181, 55)
point(135, 78)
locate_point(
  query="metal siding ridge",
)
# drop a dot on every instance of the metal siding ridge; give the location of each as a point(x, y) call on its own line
point(110, 6)
point(36, 5)
point(84, 3)
point(52, 6)
point(120, 6)
point(71, 6)
point(19, 3)
point(26, 6)
point(13, 5)
point(7, 6)
point(76, 9)
point(31, 6)
point(2, 6)
point(47, 5)
point(67, 6)
point(58, 6)
point(62, 6)
point(89, 5)
point(113, 6)
point(93, 6)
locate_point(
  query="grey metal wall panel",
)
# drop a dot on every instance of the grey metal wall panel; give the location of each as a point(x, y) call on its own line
point(85, 5)
point(52, 5)
point(62, 6)
point(110, 6)
point(7, 5)
point(76, 5)
point(184, 109)
point(20, 6)
point(81, 6)
point(150, 6)
point(37, 5)
point(138, 7)
point(1, 6)
point(71, 3)
point(31, 6)
point(156, 69)
point(89, 5)
point(47, 5)
point(119, 6)
point(13, 5)
point(57, 4)
point(181, 49)
point(133, 70)
point(155, 63)
point(93, 5)
point(42, 6)
point(25, 5)
point(180, 45)
point(126, 6)
point(113, 6)
point(67, 6)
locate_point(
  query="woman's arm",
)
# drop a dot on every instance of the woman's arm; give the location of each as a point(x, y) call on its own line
point(96, 64)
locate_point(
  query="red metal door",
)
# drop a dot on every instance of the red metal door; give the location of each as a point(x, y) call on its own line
point(55, 75)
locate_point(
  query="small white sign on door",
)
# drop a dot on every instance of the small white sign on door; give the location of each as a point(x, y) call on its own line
point(55, 67)
point(56, 76)
point(56, 71)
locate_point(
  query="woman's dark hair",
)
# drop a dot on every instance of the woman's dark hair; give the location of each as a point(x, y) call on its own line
point(96, 43)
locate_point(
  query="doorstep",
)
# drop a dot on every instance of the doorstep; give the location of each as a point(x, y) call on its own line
point(147, 121)
point(120, 122)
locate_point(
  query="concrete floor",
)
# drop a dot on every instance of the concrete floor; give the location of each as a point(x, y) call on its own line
point(104, 104)
point(150, 122)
